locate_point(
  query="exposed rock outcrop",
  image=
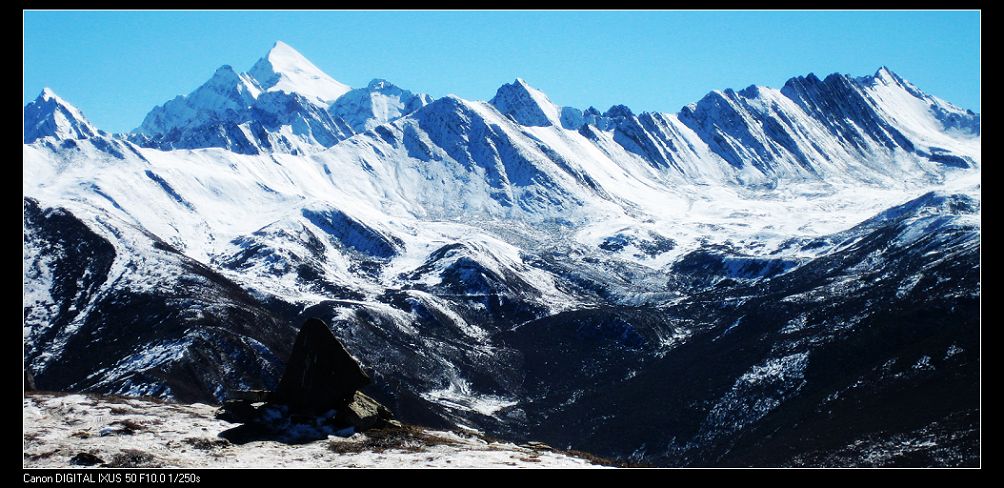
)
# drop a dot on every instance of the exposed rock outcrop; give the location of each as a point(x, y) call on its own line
point(317, 396)
point(320, 375)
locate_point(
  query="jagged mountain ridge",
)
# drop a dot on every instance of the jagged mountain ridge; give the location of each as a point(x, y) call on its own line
point(432, 240)
point(774, 131)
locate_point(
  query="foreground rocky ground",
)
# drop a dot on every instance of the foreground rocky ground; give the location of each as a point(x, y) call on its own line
point(87, 430)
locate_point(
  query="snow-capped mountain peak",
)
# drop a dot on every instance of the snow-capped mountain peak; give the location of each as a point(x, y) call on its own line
point(900, 96)
point(377, 84)
point(526, 104)
point(225, 96)
point(51, 116)
point(47, 94)
point(887, 76)
point(885, 73)
point(380, 102)
point(285, 69)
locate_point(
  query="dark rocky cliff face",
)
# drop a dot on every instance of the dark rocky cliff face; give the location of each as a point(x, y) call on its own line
point(189, 334)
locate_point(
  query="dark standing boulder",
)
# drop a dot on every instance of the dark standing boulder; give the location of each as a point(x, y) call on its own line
point(317, 396)
point(320, 375)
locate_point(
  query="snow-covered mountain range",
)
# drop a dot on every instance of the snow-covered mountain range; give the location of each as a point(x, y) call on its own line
point(521, 267)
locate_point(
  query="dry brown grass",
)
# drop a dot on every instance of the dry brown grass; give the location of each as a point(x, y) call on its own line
point(406, 438)
point(207, 444)
point(128, 426)
point(42, 455)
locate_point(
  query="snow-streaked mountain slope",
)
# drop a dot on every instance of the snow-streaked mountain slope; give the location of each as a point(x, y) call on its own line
point(865, 356)
point(199, 200)
point(446, 238)
point(831, 129)
point(159, 312)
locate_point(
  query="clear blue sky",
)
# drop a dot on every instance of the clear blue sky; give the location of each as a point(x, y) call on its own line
point(115, 66)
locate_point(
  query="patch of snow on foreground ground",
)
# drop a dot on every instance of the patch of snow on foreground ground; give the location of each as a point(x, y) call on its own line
point(125, 432)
